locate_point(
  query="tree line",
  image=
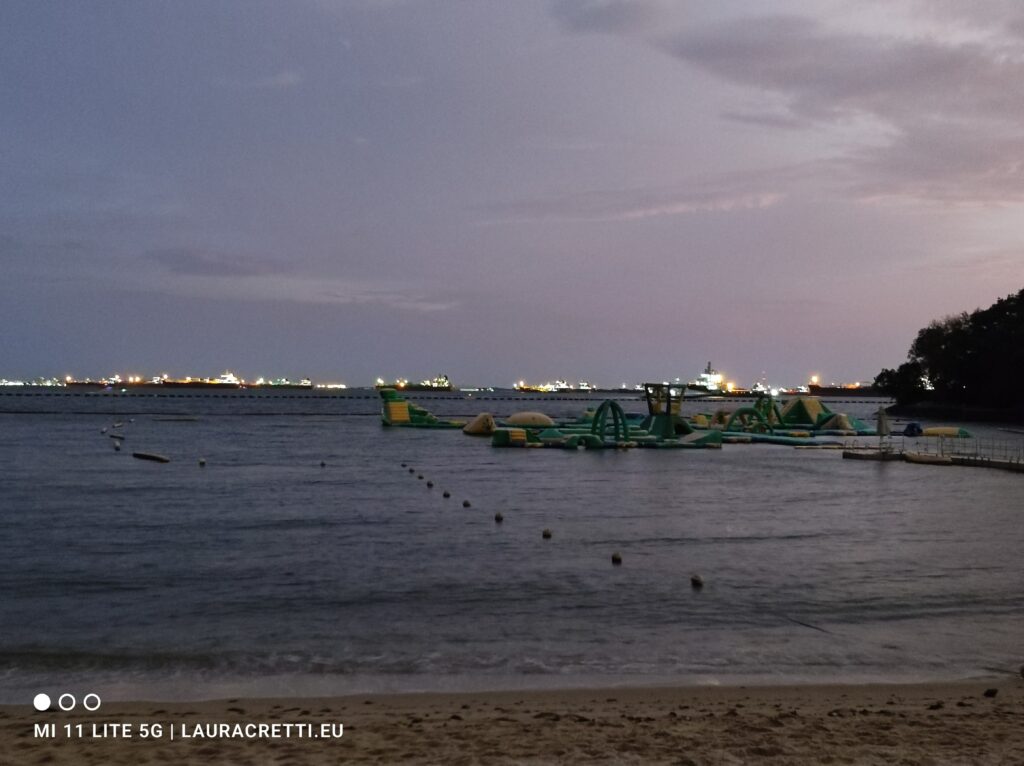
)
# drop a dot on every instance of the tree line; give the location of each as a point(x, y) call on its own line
point(972, 359)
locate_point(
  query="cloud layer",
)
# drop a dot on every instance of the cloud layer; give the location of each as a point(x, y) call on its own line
point(952, 112)
point(436, 182)
point(634, 204)
point(938, 102)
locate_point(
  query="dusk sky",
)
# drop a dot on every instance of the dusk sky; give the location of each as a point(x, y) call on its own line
point(502, 189)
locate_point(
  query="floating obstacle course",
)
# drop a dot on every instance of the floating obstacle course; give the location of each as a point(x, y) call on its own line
point(609, 427)
point(801, 421)
point(397, 411)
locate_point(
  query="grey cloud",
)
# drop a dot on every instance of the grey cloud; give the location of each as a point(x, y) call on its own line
point(219, 276)
point(405, 301)
point(612, 16)
point(287, 78)
point(950, 113)
point(636, 204)
point(768, 119)
point(204, 263)
point(43, 255)
point(991, 15)
point(825, 75)
point(1007, 263)
point(945, 116)
point(953, 165)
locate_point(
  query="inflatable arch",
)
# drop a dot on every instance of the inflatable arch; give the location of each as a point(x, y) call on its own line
point(619, 426)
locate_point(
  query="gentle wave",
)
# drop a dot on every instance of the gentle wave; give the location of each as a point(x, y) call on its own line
point(264, 563)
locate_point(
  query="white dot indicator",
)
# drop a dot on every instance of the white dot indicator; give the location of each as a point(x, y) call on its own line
point(41, 702)
point(66, 702)
point(90, 706)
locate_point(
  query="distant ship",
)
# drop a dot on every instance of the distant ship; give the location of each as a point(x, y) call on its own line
point(303, 384)
point(227, 380)
point(440, 383)
point(710, 381)
point(556, 387)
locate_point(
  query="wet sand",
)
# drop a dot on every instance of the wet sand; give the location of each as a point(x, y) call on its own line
point(949, 723)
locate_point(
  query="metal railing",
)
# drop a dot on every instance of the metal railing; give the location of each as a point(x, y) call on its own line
point(985, 449)
point(982, 449)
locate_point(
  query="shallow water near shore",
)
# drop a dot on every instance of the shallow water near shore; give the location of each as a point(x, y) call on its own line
point(265, 573)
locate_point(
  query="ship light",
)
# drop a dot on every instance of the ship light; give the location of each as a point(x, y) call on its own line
point(814, 380)
point(730, 386)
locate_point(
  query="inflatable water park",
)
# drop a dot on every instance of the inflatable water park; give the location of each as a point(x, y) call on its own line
point(803, 421)
point(800, 422)
point(606, 427)
point(398, 412)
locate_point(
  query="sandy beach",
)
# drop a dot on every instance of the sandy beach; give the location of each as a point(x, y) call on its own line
point(950, 723)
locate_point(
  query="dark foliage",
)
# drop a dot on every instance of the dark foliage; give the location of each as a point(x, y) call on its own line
point(905, 384)
point(973, 359)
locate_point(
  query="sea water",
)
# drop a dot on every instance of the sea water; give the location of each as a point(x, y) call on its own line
point(265, 572)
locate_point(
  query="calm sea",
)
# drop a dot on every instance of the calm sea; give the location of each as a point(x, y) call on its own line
point(266, 573)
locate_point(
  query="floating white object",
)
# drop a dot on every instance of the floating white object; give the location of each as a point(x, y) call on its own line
point(533, 419)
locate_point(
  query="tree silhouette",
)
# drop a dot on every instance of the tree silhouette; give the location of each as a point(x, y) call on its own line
point(974, 358)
